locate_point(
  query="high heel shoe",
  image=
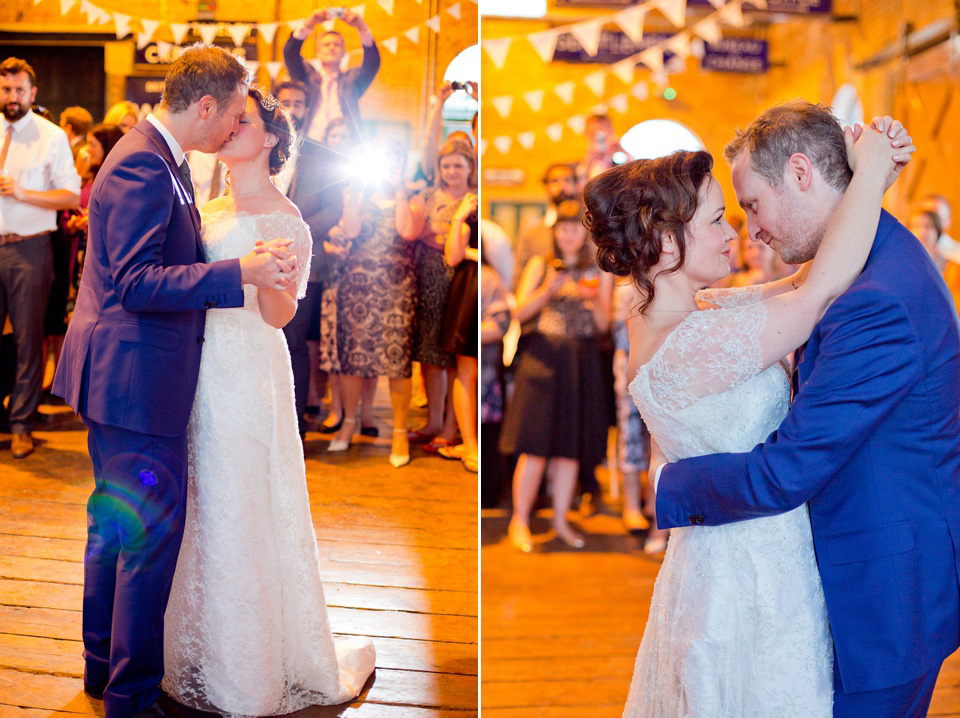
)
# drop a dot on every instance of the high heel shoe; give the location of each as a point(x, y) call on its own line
point(398, 460)
point(342, 444)
point(330, 428)
point(519, 535)
point(570, 537)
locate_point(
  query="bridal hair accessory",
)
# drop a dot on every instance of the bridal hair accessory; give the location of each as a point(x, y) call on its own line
point(267, 101)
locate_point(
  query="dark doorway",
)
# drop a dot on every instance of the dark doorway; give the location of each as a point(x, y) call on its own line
point(66, 74)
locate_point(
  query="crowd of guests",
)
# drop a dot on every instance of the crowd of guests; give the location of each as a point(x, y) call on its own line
point(393, 282)
point(548, 409)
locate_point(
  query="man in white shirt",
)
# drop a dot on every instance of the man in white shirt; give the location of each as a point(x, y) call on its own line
point(37, 178)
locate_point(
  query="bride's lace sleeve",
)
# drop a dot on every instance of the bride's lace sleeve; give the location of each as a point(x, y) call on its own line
point(732, 296)
point(708, 352)
point(291, 227)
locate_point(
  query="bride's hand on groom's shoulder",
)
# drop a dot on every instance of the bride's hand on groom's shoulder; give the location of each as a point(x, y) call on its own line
point(900, 142)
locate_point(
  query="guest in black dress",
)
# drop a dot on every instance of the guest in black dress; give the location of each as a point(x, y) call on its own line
point(460, 326)
point(558, 417)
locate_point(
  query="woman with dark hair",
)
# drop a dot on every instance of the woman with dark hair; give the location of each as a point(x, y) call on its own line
point(737, 623)
point(246, 629)
point(456, 174)
point(557, 421)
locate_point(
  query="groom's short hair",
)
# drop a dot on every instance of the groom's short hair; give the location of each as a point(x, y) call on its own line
point(795, 126)
point(203, 70)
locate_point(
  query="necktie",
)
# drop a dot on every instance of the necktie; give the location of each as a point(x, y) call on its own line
point(6, 146)
point(187, 178)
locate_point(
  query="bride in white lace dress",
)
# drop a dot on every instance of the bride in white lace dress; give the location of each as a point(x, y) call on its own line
point(737, 624)
point(246, 628)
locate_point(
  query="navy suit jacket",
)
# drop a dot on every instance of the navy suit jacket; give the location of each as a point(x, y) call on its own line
point(872, 442)
point(131, 356)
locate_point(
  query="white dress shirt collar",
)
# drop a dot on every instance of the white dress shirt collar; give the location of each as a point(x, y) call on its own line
point(171, 140)
point(19, 125)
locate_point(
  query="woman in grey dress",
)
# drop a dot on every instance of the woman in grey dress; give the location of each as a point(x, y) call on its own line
point(376, 298)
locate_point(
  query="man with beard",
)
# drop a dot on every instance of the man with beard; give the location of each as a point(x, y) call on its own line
point(37, 178)
point(560, 182)
point(316, 187)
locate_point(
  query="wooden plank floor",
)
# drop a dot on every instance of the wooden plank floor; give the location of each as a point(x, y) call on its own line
point(398, 550)
point(561, 628)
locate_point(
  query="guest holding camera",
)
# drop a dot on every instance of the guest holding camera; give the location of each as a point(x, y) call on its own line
point(332, 93)
point(431, 136)
point(557, 420)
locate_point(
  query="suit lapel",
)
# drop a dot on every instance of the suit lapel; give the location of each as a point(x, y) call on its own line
point(163, 149)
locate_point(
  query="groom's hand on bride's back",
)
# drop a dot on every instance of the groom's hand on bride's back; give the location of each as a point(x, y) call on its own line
point(899, 139)
point(269, 265)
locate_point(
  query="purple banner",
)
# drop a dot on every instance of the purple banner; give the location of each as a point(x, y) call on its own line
point(731, 54)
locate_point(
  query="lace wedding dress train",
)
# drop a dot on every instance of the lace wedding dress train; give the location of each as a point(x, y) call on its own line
point(737, 625)
point(246, 630)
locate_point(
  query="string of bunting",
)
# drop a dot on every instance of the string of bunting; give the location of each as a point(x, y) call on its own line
point(683, 44)
point(238, 31)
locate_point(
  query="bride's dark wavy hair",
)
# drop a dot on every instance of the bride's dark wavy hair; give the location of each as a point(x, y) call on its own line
point(630, 207)
point(276, 122)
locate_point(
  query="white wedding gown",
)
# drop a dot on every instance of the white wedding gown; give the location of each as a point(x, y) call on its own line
point(246, 630)
point(737, 625)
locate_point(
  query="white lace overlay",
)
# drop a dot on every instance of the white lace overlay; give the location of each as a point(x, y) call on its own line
point(246, 628)
point(737, 625)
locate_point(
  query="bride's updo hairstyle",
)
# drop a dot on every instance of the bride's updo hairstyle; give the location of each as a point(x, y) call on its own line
point(630, 207)
point(277, 123)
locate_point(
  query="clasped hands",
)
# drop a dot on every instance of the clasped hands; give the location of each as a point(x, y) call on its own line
point(270, 265)
point(900, 142)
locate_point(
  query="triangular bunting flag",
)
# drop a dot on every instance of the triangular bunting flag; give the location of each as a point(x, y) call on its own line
point(149, 26)
point(564, 91)
point(526, 139)
point(709, 30)
point(732, 14)
point(555, 131)
point(503, 105)
point(545, 43)
point(588, 34)
point(600, 109)
point(660, 77)
point(327, 25)
point(238, 33)
point(66, 6)
point(433, 23)
point(454, 10)
point(631, 22)
point(652, 58)
point(143, 39)
point(577, 123)
point(674, 10)
point(36, 2)
point(359, 9)
point(123, 25)
point(496, 50)
point(253, 66)
point(164, 48)
point(640, 91)
point(101, 15)
point(413, 35)
point(387, 6)
point(534, 98)
point(268, 30)
point(179, 30)
point(624, 70)
point(502, 144)
point(619, 103)
point(207, 32)
point(679, 45)
point(273, 68)
point(596, 82)
point(391, 44)
point(698, 48)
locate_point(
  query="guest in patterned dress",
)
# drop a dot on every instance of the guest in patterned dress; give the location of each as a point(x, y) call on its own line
point(456, 171)
point(377, 297)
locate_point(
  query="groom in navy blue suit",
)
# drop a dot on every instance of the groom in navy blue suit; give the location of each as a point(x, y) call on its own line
point(872, 440)
point(130, 364)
